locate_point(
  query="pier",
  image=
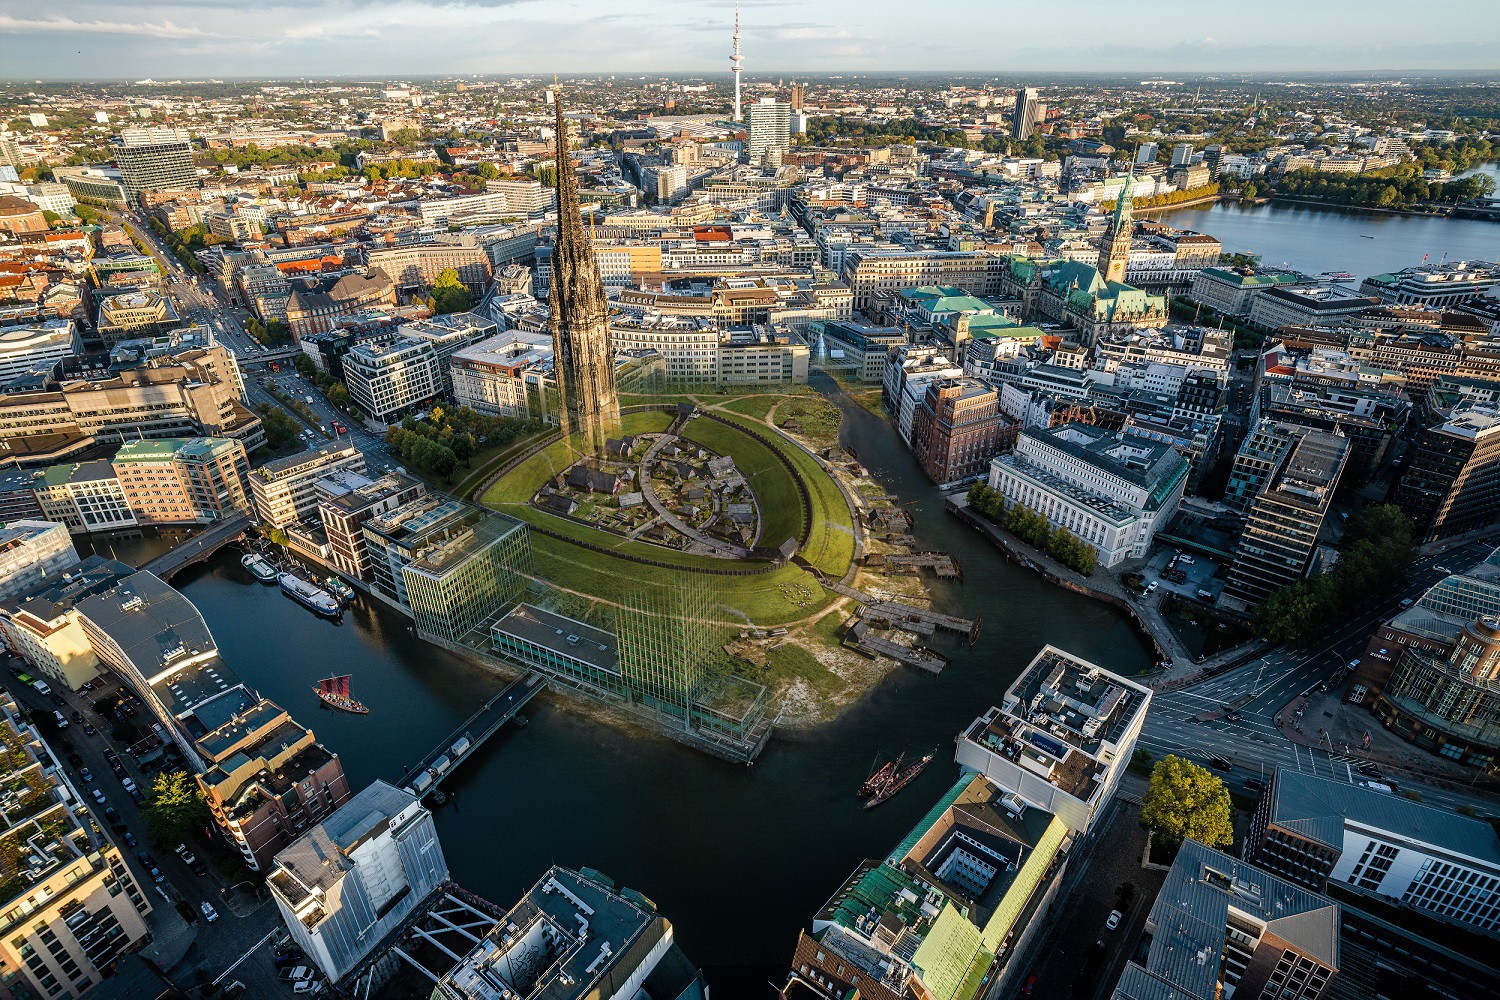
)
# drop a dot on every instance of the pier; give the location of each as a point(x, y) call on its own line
point(471, 734)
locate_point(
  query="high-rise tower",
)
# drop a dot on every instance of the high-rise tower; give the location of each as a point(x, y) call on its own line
point(734, 63)
point(1114, 247)
point(585, 370)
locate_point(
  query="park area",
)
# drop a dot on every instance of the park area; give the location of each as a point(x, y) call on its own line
point(595, 563)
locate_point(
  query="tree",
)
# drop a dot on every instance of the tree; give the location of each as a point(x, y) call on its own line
point(175, 808)
point(1186, 801)
point(1250, 190)
point(304, 365)
point(449, 293)
point(51, 218)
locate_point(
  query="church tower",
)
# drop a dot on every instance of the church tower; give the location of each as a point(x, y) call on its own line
point(1114, 247)
point(585, 359)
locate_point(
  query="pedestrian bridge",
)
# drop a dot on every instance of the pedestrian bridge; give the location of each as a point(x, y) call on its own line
point(471, 734)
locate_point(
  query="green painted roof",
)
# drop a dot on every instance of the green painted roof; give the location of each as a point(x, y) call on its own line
point(925, 823)
point(150, 449)
point(951, 960)
point(931, 292)
point(879, 888)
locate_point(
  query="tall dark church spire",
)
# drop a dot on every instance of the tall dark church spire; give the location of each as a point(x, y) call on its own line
point(585, 365)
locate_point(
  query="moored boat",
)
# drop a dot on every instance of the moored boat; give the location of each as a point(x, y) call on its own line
point(259, 567)
point(339, 589)
point(334, 692)
point(309, 596)
point(904, 777)
point(878, 778)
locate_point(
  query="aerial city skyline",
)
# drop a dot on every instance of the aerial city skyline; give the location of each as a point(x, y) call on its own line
point(530, 501)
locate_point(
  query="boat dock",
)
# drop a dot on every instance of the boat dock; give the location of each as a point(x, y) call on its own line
point(902, 613)
point(866, 641)
point(944, 566)
point(471, 734)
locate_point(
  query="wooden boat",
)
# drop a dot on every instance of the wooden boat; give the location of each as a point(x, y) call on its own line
point(903, 777)
point(334, 692)
point(878, 778)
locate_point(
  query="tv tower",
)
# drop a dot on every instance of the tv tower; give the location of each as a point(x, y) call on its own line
point(734, 63)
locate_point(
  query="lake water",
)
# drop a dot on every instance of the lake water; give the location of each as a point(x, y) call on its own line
point(1315, 240)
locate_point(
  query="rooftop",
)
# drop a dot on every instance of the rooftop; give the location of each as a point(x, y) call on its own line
point(1191, 920)
point(554, 632)
point(1318, 809)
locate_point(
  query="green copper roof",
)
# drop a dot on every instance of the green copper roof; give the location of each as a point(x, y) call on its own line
point(925, 823)
point(951, 960)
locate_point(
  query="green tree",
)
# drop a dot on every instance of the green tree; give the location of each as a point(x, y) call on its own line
point(174, 808)
point(1186, 801)
point(51, 218)
point(305, 366)
point(449, 294)
point(1250, 190)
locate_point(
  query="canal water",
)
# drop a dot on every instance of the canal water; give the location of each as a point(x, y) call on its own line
point(738, 859)
point(1315, 239)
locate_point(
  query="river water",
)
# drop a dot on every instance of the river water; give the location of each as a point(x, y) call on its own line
point(1315, 240)
point(738, 859)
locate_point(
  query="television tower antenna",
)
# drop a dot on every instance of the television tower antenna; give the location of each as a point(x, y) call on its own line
point(734, 63)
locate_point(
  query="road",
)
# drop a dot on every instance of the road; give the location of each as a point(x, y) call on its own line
point(1259, 689)
point(242, 916)
point(202, 301)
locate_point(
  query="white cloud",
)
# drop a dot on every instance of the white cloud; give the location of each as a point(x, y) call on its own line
point(67, 25)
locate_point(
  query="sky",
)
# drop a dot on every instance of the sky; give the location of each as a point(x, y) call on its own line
point(382, 39)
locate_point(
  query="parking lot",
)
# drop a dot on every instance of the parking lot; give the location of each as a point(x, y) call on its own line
point(1199, 574)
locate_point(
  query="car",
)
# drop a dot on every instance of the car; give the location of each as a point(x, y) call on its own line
point(41, 686)
point(296, 974)
point(85, 774)
point(1151, 587)
point(155, 874)
point(1255, 784)
point(1220, 763)
point(1114, 920)
point(98, 795)
point(129, 839)
point(1369, 771)
point(1377, 786)
point(109, 753)
point(57, 700)
point(308, 987)
point(1029, 987)
point(62, 720)
point(286, 957)
point(89, 730)
point(1353, 665)
point(112, 816)
point(77, 717)
point(1442, 569)
point(209, 913)
point(128, 784)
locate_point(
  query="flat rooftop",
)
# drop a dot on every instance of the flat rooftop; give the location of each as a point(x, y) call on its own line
point(559, 634)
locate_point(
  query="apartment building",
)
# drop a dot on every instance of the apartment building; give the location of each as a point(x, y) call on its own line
point(449, 334)
point(392, 379)
point(1060, 738)
point(870, 272)
point(266, 779)
point(1220, 927)
point(1283, 521)
point(192, 392)
point(957, 429)
point(154, 159)
point(285, 491)
point(509, 375)
point(1112, 489)
point(70, 908)
point(43, 626)
point(184, 480)
point(346, 500)
point(36, 347)
point(356, 876)
point(133, 314)
point(1312, 831)
point(31, 551)
point(417, 265)
point(1452, 480)
point(523, 197)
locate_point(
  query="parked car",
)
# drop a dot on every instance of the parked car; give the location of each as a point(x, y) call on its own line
point(113, 818)
point(85, 774)
point(98, 795)
point(1151, 587)
point(89, 730)
point(1113, 921)
point(41, 686)
point(1255, 784)
point(1220, 763)
point(128, 784)
point(129, 839)
point(298, 974)
point(77, 717)
point(209, 913)
point(309, 987)
point(62, 720)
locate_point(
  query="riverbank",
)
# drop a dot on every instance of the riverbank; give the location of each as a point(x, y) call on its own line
point(1205, 200)
point(1446, 213)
